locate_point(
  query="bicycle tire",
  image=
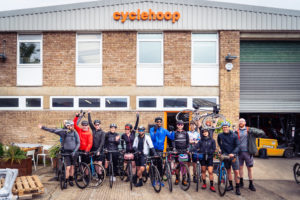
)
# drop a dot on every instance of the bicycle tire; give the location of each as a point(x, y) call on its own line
point(145, 175)
point(222, 181)
point(62, 177)
point(82, 175)
point(122, 171)
point(212, 117)
point(184, 173)
point(98, 177)
point(155, 178)
point(184, 115)
point(129, 172)
point(111, 174)
point(169, 176)
point(296, 170)
point(198, 176)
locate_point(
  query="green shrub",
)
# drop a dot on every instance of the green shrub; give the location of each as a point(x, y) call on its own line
point(54, 150)
point(14, 154)
point(1, 150)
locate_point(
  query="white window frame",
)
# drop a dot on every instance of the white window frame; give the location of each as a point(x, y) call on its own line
point(205, 65)
point(22, 103)
point(102, 103)
point(160, 102)
point(150, 65)
point(89, 65)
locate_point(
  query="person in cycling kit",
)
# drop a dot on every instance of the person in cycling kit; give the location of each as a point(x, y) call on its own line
point(194, 139)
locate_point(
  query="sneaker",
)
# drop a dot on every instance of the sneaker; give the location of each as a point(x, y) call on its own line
point(176, 182)
point(229, 188)
point(139, 184)
point(154, 183)
point(65, 184)
point(237, 191)
point(203, 186)
point(212, 188)
point(162, 184)
point(194, 179)
point(71, 183)
point(184, 182)
point(252, 188)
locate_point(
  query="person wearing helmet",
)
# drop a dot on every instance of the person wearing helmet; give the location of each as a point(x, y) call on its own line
point(209, 124)
point(207, 146)
point(98, 139)
point(180, 144)
point(86, 137)
point(128, 138)
point(194, 137)
point(230, 145)
point(112, 140)
point(143, 145)
point(158, 136)
point(70, 145)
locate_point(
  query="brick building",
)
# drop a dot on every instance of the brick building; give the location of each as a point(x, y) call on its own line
point(154, 57)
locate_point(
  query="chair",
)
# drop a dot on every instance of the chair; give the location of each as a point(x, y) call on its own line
point(43, 154)
point(31, 153)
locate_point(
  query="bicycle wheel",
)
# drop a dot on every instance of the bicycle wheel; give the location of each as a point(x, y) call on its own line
point(111, 174)
point(62, 176)
point(198, 176)
point(213, 118)
point(82, 175)
point(155, 178)
point(145, 174)
point(184, 115)
point(297, 173)
point(184, 177)
point(169, 176)
point(129, 172)
point(122, 171)
point(222, 181)
point(98, 175)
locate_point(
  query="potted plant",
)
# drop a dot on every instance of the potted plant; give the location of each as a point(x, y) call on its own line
point(53, 151)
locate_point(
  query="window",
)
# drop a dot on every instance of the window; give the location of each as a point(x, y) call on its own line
point(63, 102)
point(147, 103)
point(21, 103)
point(150, 59)
point(89, 102)
point(115, 102)
point(29, 59)
point(205, 61)
point(89, 59)
point(175, 102)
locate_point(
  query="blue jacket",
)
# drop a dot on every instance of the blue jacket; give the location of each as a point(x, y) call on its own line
point(229, 143)
point(158, 137)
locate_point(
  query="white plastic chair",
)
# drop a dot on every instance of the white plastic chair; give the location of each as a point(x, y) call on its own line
point(31, 153)
point(43, 154)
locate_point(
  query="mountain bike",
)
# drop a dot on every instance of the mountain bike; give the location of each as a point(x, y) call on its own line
point(82, 174)
point(296, 170)
point(97, 171)
point(61, 169)
point(167, 169)
point(222, 174)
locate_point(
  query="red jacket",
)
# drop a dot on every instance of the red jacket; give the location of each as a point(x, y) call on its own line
point(86, 137)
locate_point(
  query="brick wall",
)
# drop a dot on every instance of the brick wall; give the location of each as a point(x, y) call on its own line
point(177, 58)
point(230, 81)
point(119, 58)
point(59, 51)
point(22, 126)
point(8, 68)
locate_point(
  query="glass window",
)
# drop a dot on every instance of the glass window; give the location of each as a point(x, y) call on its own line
point(175, 102)
point(203, 36)
point(30, 37)
point(63, 102)
point(204, 102)
point(88, 36)
point(150, 36)
point(9, 102)
point(147, 103)
point(33, 102)
point(30, 52)
point(89, 102)
point(88, 52)
point(115, 102)
point(150, 48)
point(204, 52)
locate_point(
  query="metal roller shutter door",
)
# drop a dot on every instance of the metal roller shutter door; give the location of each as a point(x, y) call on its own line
point(270, 77)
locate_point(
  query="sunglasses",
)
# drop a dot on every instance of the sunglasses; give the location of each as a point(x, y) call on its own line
point(159, 122)
point(84, 125)
point(179, 124)
point(97, 124)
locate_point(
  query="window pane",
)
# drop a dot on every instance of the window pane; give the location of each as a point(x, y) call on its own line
point(30, 53)
point(204, 102)
point(147, 103)
point(115, 102)
point(150, 36)
point(88, 36)
point(30, 37)
point(204, 52)
point(89, 102)
point(88, 52)
point(150, 52)
point(62, 102)
point(175, 102)
point(33, 102)
point(9, 102)
point(204, 36)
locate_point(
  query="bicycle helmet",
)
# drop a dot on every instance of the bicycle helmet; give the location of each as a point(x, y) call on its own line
point(179, 122)
point(67, 123)
point(141, 129)
point(113, 125)
point(84, 123)
point(158, 118)
point(97, 121)
point(225, 124)
point(71, 123)
point(128, 126)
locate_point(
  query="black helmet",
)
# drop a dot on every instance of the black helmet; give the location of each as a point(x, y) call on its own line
point(141, 129)
point(129, 126)
point(97, 121)
point(113, 125)
point(84, 123)
point(179, 122)
point(158, 118)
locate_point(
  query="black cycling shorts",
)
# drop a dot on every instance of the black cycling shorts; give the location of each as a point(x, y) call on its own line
point(141, 161)
point(209, 162)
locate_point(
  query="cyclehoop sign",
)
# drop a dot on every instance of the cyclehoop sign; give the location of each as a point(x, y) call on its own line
point(147, 16)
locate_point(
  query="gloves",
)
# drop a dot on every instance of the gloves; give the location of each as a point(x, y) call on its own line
point(155, 127)
point(98, 153)
point(171, 128)
point(77, 114)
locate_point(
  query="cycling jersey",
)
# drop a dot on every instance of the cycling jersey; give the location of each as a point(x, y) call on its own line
point(98, 136)
point(110, 141)
point(158, 136)
point(181, 140)
point(86, 137)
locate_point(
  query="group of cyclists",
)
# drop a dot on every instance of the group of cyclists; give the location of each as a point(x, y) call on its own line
point(89, 137)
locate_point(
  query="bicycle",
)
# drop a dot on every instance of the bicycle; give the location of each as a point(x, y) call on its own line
point(167, 169)
point(97, 172)
point(205, 115)
point(154, 174)
point(198, 157)
point(222, 174)
point(82, 174)
point(129, 157)
point(61, 171)
point(111, 167)
point(296, 170)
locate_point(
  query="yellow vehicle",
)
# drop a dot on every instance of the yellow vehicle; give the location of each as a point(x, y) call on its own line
point(272, 149)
